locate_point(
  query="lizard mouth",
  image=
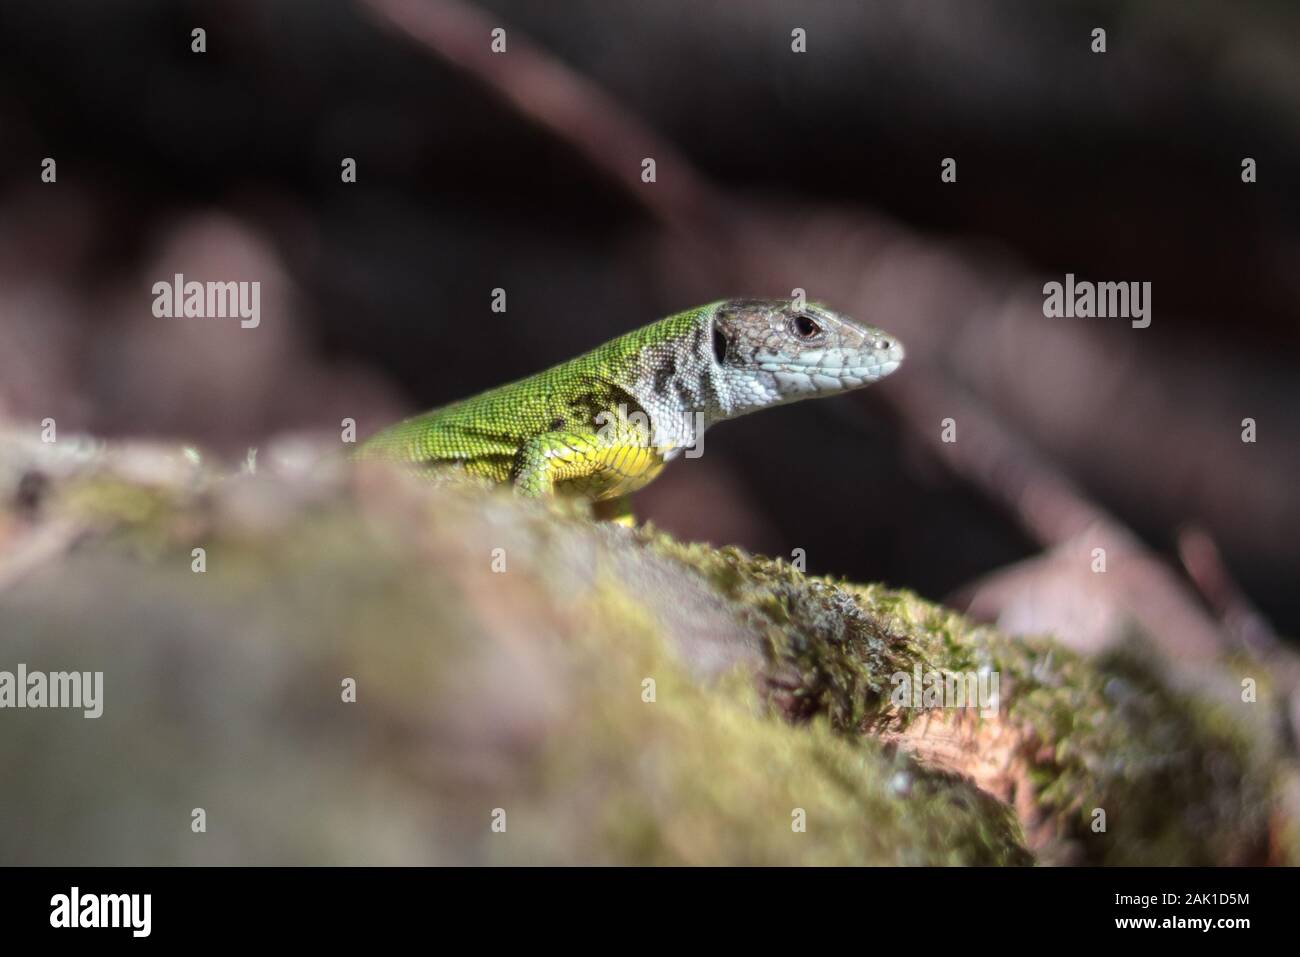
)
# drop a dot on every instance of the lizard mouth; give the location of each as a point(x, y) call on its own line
point(826, 375)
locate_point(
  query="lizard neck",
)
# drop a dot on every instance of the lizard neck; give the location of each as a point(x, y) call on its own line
point(677, 382)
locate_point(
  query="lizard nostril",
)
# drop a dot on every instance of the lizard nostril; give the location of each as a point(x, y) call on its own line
point(882, 343)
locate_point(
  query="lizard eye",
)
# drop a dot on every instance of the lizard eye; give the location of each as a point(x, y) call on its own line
point(805, 327)
point(719, 345)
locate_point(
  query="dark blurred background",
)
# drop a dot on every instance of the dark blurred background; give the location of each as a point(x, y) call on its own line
point(778, 170)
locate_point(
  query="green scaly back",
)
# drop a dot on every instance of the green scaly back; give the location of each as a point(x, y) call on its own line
point(485, 433)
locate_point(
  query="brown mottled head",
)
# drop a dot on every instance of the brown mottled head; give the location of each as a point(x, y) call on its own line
point(769, 352)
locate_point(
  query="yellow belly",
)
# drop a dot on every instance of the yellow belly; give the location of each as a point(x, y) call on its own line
point(617, 470)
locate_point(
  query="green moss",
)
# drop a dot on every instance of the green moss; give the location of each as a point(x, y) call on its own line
point(827, 651)
point(716, 777)
point(1181, 780)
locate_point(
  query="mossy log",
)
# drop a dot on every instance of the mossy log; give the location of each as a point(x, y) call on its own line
point(534, 687)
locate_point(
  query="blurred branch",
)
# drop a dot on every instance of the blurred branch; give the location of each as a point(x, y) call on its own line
point(559, 100)
point(1059, 515)
point(1207, 570)
point(1002, 464)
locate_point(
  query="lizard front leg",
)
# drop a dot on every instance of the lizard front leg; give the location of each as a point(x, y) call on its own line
point(553, 457)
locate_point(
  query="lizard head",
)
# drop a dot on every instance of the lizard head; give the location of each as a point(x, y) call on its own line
point(768, 352)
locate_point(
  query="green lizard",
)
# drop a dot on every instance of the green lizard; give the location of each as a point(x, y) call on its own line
point(604, 424)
